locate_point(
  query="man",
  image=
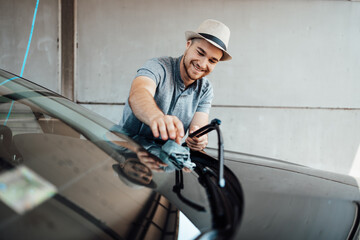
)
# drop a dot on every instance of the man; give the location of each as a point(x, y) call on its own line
point(171, 95)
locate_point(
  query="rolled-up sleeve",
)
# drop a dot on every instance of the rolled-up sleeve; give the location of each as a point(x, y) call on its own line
point(153, 69)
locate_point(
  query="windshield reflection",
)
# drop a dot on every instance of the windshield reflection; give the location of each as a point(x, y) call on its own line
point(158, 155)
point(85, 156)
point(134, 174)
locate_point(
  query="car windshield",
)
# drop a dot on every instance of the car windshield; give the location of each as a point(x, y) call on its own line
point(86, 166)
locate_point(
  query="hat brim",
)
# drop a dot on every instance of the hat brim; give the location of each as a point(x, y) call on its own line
point(190, 35)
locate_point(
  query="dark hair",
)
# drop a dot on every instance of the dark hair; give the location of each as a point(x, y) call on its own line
point(195, 40)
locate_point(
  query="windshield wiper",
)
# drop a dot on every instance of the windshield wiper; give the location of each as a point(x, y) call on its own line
point(214, 125)
point(179, 184)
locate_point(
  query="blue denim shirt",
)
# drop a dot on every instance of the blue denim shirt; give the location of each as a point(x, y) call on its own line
point(171, 96)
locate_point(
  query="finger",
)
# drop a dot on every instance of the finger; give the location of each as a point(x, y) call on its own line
point(193, 147)
point(158, 167)
point(194, 128)
point(178, 140)
point(196, 146)
point(151, 165)
point(155, 129)
point(162, 129)
point(163, 165)
point(191, 141)
point(147, 160)
point(187, 141)
point(170, 127)
point(142, 154)
point(200, 140)
point(194, 140)
point(179, 126)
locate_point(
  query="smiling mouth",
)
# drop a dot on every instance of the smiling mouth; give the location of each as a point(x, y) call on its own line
point(196, 68)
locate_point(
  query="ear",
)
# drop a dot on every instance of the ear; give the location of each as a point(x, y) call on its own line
point(188, 43)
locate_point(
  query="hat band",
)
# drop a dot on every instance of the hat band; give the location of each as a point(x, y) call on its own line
point(214, 39)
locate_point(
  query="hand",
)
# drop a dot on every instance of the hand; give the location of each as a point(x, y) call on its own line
point(151, 162)
point(196, 143)
point(167, 126)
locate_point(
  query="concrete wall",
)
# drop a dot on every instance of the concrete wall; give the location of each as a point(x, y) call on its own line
point(290, 92)
point(42, 62)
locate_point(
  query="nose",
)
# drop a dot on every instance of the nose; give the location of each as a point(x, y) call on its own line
point(202, 63)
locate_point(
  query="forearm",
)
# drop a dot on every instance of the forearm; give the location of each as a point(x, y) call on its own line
point(200, 119)
point(144, 107)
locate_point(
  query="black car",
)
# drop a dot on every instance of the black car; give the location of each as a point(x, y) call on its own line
point(68, 173)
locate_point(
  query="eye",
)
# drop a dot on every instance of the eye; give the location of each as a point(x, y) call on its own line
point(200, 53)
point(213, 61)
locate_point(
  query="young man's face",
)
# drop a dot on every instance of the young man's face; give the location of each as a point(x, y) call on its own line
point(200, 58)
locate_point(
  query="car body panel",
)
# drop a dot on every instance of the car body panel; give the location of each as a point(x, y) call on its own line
point(105, 189)
point(283, 199)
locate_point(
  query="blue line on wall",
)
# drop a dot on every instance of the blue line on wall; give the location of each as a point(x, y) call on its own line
point(8, 115)
point(8, 80)
point(25, 58)
point(30, 37)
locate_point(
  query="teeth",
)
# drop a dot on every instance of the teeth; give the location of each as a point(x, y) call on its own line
point(197, 68)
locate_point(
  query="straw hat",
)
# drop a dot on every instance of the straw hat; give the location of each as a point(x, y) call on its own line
point(216, 33)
